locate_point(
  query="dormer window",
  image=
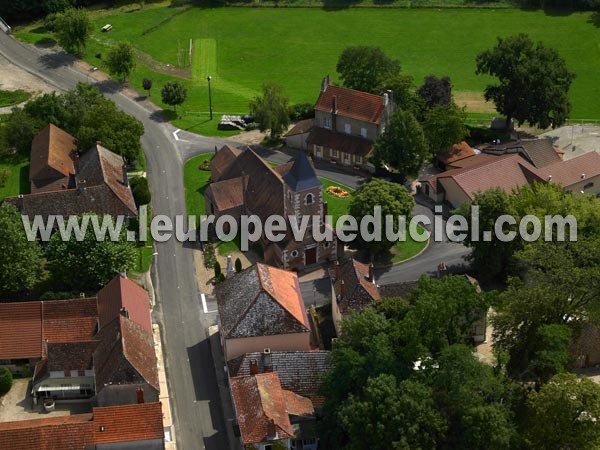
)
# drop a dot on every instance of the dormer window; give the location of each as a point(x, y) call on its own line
point(309, 199)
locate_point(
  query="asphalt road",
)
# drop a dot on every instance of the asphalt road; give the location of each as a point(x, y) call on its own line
point(195, 400)
point(196, 406)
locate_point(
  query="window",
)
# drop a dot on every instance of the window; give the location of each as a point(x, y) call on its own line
point(309, 199)
point(363, 132)
point(346, 157)
point(358, 159)
point(294, 253)
point(334, 153)
point(347, 128)
point(327, 123)
point(318, 151)
point(326, 244)
point(588, 186)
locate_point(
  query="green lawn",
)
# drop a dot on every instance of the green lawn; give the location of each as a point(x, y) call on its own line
point(10, 98)
point(16, 166)
point(195, 182)
point(243, 47)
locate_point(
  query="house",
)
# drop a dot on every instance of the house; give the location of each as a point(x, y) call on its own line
point(454, 153)
point(100, 348)
point(347, 122)
point(270, 416)
point(539, 152)
point(297, 136)
point(130, 427)
point(262, 308)
point(511, 167)
point(244, 183)
point(353, 289)
point(66, 182)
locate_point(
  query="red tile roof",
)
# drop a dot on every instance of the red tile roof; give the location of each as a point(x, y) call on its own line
point(24, 327)
point(301, 127)
point(296, 405)
point(227, 194)
point(358, 291)
point(455, 152)
point(121, 292)
point(574, 170)
point(260, 404)
point(128, 423)
point(56, 433)
point(52, 153)
point(353, 104)
point(222, 159)
point(347, 143)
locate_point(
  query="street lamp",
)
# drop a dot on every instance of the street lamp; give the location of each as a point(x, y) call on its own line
point(209, 96)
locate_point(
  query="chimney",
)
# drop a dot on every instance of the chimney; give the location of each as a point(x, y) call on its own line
point(385, 99)
point(372, 273)
point(123, 311)
point(342, 288)
point(216, 150)
point(271, 431)
point(125, 179)
point(582, 176)
point(549, 177)
point(253, 367)
point(140, 395)
point(326, 82)
point(267, 362)
point(123, 272)
point(334, 110)
point(336, 273)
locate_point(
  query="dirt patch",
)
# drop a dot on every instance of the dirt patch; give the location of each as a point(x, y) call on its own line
point(165, 69)
point(13, 77)
point(253, 137)
point(474, 101)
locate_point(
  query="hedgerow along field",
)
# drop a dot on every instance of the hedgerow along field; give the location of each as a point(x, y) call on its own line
point(243, 47)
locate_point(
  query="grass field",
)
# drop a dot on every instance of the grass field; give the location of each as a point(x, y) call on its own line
point(10, 98)
point(15, 165)
point(243, 47)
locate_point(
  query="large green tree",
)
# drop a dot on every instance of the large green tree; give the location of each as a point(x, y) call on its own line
point(173, 93)
point(20, 258)
point(270, 109)
point(89, 263)
point(403, 145)
point(366, 68)
point(444, 126)
point(120, 60)
point(73, 28)
point(564, 414)
point(533, 81)
point(435, 91)
point(393, 199)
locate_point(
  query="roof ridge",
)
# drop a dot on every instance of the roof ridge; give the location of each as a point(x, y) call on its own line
point(354, 90)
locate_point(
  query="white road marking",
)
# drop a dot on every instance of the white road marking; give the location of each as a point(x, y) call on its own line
point(175, 133)
point(203, 297)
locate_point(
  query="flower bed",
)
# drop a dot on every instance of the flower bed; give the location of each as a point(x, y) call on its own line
point(337, 191)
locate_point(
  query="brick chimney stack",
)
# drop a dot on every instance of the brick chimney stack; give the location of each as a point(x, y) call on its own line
point(372, 273)
point(253, 367)
point(334, 110)
point(140, 395)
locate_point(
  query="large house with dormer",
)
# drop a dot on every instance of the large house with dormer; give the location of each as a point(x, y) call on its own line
point(243, 183)
point(347, 123)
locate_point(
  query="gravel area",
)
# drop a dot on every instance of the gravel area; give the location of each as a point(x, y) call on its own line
point(576, 140)
point(13, 77)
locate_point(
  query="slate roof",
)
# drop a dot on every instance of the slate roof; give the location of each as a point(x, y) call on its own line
point(227, 194)
point(122, 343)
point(539, 152)
point(358, 291)
point(70, 355)
point(485, 172)
point(222, 159)
point(128, 423)
point(455, 152)
point(51, 162)
point(348, 143)
point(353, 104)
point(301, 127)
point(121, 292)
point(569, 172)
point(260, 405)
point(52, 433)
point(100, 188)
point(25, 326)
point(300, 372)
point(302, 175)
point(261, 301)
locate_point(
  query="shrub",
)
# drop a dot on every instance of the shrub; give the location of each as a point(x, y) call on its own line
point(6, 380)
point(218, 271)
point(238, 265)
point(140, 190)
point(301, 111)
point(205, 165)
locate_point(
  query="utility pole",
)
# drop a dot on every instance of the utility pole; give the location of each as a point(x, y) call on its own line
point(209, 97)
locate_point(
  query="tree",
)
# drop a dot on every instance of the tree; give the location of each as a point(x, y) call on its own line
point(6, 380)
point(533, 81)
point(444, 126)
point(173, 93)
point(147, 85)
point(20, 258)
point(435, 91)
point(366, 68)
point(403, 145)
point(140, 190)
point(394, 199)
point(271, 109)
point(564, 414)
point(73, 28)
point(120, 60)
point(392, 415)
point(57, 6)
point(403, 92)
point(88, 264)
point(238, 265)
point(20, 129)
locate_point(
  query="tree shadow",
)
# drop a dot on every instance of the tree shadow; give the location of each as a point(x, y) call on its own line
point(595, 19)
point(56, 60)
point(554, 12)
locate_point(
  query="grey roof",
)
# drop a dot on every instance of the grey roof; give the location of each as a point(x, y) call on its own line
point(300, 372)
point(539, 152)
point(302, 175)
